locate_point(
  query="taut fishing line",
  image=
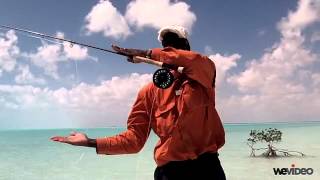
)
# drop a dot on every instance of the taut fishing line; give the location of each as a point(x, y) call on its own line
point(162, 78)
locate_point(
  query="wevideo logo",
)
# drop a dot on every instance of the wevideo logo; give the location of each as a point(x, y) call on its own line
point(293, 171)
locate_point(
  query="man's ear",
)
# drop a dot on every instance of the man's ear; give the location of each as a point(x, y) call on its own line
point(186, 44)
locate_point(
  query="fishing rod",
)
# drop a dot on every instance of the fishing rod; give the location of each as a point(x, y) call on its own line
point(162, 78)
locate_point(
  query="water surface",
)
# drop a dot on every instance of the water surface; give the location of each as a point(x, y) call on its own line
point(29, 155)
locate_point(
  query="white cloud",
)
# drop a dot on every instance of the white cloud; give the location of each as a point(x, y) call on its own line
point(74, 51)
point(9, 51)
point(159, 13)
point(48, 56)
point(270, 108)
point(308, 12)
point(118, 91)
point(26, 77)
point(223, 65)
point(23, 97)
point(274, 70)
point(279, 86)
point(90, 105)
point(316, 80)
point(101, 105)
point(315, 37)
point(105, 18)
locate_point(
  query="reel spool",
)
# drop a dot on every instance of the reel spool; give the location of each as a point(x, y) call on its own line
point(163, 78)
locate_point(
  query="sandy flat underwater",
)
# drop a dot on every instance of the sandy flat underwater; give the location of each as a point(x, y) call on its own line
point(29, 155)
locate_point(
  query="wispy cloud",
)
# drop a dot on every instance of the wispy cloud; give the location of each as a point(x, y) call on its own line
point(24, 76)
point(9, 51)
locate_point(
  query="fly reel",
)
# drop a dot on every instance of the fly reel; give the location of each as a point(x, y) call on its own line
point(163, 78)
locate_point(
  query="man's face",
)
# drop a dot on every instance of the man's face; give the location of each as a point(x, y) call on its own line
point(170, 39)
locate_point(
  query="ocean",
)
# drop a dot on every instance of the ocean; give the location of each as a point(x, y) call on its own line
point(30, 155)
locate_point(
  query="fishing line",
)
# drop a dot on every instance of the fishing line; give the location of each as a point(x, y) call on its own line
point(76, 78)
point(33, 36)
point(45, 39)
point(149, 130)
point(42, 38)
point(57, 38)
point(162, 78)
point(80, 158)
point(62, 44)
point(59, 43)
point(76, 73)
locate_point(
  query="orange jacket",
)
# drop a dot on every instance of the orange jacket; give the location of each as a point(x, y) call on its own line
point(186, 121)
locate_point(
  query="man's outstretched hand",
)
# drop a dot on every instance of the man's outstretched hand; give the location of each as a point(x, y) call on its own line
point(130, 53)
point(75, 138)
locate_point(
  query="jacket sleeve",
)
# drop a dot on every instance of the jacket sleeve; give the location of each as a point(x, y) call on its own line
point(133, 139)
point(197, 67)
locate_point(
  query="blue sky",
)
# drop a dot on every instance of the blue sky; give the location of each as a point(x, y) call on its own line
point(266, 53)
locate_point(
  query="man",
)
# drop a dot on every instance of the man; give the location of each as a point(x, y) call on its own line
point(183, 116)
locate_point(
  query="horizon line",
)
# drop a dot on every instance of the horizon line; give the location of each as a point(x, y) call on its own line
point(115, 127)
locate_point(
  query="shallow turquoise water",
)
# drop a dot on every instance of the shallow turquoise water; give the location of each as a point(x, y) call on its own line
point(29, 155)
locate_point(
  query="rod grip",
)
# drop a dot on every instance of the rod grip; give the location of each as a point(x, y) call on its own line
point(138, 59)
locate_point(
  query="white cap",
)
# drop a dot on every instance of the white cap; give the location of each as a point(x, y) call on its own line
point(179, 30)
